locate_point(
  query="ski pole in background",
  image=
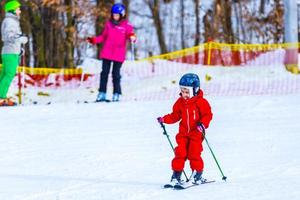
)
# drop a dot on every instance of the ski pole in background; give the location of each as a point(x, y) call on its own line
point(166, 134)
point(21, 78)
point(211, 151)
point(132, 51)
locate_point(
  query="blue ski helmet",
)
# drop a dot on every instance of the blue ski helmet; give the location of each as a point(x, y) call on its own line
point(190, 81)
point(118, 8)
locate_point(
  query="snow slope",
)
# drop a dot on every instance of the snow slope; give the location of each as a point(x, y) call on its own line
point(144, 81)
point(70, 151)
point(117, 151)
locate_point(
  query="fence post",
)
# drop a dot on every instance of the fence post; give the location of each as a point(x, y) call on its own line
point(209, 52)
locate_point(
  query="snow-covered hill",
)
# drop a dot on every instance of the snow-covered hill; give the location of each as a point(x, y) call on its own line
point(117, 151)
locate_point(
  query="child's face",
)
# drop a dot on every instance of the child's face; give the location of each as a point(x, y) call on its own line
point(185, 93)
point(18, 12)
point(116, 17)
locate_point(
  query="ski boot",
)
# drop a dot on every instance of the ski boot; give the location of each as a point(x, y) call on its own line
point(175, 180)
point(2, 102)
point(116, 97)
point(7, 102)
point(197, 177)
point(101, 97)
point(176, 177)
point(10, 102)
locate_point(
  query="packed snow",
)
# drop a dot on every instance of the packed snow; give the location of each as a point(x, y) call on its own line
point(70, 151)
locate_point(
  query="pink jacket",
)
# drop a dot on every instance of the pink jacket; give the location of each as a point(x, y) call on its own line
point(114, 39)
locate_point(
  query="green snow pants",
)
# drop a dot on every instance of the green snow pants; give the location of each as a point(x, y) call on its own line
point(10, 63)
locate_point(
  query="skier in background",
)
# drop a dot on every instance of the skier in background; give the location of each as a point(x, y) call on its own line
point(12, 40)
point(116, 32)
point(194, 114)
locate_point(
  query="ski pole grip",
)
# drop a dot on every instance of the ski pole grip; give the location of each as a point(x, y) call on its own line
point(163, 127)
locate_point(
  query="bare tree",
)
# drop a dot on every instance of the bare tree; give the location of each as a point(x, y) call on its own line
point(154, 6)
point(182, 14)
point(227, 21)
point(102, 13)
point(208, 25)
point(197, 15)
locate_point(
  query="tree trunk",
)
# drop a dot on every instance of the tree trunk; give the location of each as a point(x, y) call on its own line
point(262, 6)
point(227, 22)
point(208, 25)
point(126, 4)
point(37, 37)
point(154, 7)
point(291, 35)
point(49, 42)
point(69, 30)
point(59, 47)
point(197, 15)
point(103, 7)
point(237, 17)
point(2, 13)
point(241, 19)
point(182, 23)
point(279, 13)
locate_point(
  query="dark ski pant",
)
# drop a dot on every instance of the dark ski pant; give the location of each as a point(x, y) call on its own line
point(189, 147)
point(116, 76)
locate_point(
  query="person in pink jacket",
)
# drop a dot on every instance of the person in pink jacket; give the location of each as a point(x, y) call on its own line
point(117, 31)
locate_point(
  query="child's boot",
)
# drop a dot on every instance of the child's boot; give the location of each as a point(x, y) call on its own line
point(116, 97)
point(101, 97)
point(176, 177)
point(197, 177)
point(2, 102)
point(10, 102)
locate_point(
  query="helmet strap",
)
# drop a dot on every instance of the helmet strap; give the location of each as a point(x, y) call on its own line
point(191, 91)
point(196, 91)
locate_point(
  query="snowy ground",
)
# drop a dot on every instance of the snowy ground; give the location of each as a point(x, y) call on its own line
point(117, 151)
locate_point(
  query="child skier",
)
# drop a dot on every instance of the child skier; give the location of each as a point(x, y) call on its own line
point(116, 31)
point(194, 114)
point(12, 40)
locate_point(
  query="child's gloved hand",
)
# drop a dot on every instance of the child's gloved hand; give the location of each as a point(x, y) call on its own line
point(201, 128)
point(132, 37)
point(160, 120)
point(91, 40)
point(23, 39)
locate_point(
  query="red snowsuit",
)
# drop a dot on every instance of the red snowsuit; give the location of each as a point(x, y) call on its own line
point(189, 139)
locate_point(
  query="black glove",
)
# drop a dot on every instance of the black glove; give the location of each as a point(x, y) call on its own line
point(201, 128)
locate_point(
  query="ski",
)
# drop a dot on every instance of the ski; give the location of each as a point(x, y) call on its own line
point(105, 100)
point(88, 102)
point(190, 184)
point(37, 103)
point(9, 105)
point(168, 185)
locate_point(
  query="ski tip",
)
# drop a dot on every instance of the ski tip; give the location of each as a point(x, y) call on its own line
point(168, 186)
point(105, 100)
point(179, 187)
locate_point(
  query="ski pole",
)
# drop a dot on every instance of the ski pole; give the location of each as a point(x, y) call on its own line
point(166, 134)
point(223, 176)
point(21, 77)
point(132, 51)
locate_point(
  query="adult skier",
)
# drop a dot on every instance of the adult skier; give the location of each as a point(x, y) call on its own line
point(114, 36)
point(12, 38)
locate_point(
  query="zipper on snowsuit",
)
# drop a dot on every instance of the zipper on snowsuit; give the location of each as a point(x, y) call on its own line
point(188, 120)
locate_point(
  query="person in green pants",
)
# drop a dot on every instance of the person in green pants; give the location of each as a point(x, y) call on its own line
point(12, 38)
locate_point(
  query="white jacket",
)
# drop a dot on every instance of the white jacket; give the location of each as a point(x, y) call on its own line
point(11, 35)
